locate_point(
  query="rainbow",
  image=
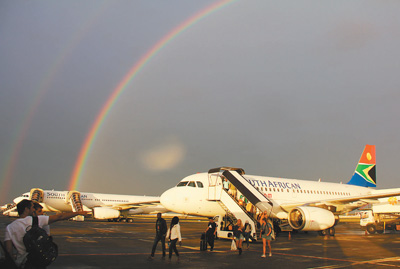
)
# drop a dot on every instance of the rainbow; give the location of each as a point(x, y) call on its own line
point(94, 130)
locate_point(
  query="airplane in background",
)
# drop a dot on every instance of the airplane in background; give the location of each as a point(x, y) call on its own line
point(303, 205)
point(113, 207)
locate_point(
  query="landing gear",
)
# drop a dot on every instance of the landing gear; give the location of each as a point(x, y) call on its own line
point(129, 220)
point(329, 231)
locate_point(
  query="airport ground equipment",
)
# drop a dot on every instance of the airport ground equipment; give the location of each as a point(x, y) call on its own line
point(74, 199)
point(381, 218)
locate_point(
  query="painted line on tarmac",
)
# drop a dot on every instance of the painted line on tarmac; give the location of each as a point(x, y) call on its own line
point(352, 262)
point(197, 248)
point(116, 254)
point(313, 257)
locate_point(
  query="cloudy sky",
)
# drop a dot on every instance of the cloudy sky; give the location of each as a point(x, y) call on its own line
point(289, 89)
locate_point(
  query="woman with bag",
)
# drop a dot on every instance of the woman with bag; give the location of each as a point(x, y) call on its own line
point(265, 233)
point(238, 230)
point(174, 235)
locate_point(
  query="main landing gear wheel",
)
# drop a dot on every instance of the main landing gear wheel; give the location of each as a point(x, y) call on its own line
point(329, 231)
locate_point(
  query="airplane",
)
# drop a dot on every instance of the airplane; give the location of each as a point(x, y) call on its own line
point(114, 207)
point(292, 203)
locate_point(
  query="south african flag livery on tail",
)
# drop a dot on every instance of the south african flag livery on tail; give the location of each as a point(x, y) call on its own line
point(365, 174)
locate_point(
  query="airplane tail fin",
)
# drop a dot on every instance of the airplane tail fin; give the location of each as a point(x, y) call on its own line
point(365, 174)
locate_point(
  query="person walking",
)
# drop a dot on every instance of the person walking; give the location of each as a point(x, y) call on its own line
point(265, 233)
point(174, 236)
point(211, 231)
point(247, 233)
point(161, 230)
point(238, 233)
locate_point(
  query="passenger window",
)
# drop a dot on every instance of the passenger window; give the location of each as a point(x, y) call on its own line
point(199, 184)
point(182, 184)
point(192, 184)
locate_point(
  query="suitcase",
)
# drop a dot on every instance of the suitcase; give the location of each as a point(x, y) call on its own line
point(203, 242)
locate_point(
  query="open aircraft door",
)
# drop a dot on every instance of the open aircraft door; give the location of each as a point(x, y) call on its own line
point(214, 185)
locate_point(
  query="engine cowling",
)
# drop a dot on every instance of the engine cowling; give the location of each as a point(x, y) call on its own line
point(105, 213)
point(308, 218)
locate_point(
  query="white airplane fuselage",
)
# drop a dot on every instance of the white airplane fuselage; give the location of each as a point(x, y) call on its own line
point(194, 200)
point(57, 200)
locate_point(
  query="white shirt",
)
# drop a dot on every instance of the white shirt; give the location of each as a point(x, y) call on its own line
point(175, 232)
point(16, 230)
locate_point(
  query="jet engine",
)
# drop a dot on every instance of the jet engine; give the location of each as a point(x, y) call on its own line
point(308, 218)
point(105, 213)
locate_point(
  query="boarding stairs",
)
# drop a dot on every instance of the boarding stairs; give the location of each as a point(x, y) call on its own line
point(255, 197)
point(74, 199)
point(36, 195)
point(232, 206)
point(229, 214)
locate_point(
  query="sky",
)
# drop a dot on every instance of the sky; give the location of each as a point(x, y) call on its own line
point(291, 89)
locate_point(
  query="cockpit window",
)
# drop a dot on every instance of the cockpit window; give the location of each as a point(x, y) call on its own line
point(192, 184)
point(199, 184)
point(182, 184)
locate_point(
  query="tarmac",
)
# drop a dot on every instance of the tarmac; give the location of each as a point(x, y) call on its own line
point(102, 244)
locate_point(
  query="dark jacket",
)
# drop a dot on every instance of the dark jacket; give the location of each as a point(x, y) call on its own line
point(161, 226)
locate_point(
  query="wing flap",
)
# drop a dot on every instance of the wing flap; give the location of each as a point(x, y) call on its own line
point(341, 202)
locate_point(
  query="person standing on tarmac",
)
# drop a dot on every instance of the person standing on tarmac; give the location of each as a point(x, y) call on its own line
point(161, 230)
point(211, 231)
point(16, 230)
point(39, 211)
point(265, 233)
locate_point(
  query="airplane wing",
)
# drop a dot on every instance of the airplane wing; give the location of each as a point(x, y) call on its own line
point(345, 203)
point(127, 206)
point(127, 209)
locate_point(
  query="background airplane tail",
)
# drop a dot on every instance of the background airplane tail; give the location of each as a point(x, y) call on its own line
point(365, 174)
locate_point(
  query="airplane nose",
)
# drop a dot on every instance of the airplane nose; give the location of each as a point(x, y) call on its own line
point(18, 199)
point(167, 200)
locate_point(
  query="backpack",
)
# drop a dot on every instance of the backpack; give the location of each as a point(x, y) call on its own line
point(41, 249)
